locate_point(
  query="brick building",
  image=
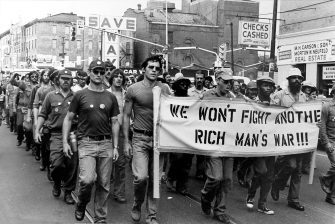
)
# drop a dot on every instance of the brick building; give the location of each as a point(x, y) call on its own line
point(41, 43)
point(199, 23)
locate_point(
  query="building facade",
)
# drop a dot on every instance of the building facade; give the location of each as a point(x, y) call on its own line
point(47, 42)
point(307, 40)
point(226, 14)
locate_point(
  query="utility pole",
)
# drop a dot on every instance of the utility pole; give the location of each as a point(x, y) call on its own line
point(167, 36)
point(63, 51)
point(273, 39)
point(102, 38)
point(232, 46)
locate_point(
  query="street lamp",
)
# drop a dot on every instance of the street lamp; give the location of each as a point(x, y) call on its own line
point(198, 48)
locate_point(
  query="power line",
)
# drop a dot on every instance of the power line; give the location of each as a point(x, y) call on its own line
point(302, 7)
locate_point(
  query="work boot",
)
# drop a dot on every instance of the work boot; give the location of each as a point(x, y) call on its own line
point(79, 212)
point(56, 191)
point(68, 198)
point(136, 212)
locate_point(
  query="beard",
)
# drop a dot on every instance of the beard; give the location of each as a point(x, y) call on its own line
point(295, 87)
point(181, 92)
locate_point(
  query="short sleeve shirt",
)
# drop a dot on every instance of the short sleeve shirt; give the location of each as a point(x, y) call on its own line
point(142, 98)
point(54, 110)
point(94, 110)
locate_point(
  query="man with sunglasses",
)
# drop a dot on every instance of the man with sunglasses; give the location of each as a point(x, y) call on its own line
point(97, 111)
point(81, 77)
point(139, 100)
point(63, 170)
point(219, 170)
point(109, 68)
point(289, 166)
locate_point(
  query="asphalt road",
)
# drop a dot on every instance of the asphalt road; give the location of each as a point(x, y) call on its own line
point(26, 197)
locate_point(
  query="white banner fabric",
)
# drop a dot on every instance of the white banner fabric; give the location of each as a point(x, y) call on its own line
point(223, 127)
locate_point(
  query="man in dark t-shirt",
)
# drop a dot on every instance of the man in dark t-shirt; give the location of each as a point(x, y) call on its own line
point(97, 111)
point(139, 99)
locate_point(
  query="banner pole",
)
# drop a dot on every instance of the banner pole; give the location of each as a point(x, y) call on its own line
point(156, 172)
point(311, 170)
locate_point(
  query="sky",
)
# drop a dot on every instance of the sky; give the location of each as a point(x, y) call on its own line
point(23, 11)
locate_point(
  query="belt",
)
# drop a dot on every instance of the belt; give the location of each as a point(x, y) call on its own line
point(145, 132)
point(96, 138)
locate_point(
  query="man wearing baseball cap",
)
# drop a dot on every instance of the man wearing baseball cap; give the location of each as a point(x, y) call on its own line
point(97, 111)
point(219, 170)
point(263, 167)
point(289, 165)
point(109, 67)
point(82, 77)
point(54, 109)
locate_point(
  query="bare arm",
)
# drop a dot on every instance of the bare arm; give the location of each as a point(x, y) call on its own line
point(40, 122)
point(115, 135)
point(66, 130)
point(127, 109)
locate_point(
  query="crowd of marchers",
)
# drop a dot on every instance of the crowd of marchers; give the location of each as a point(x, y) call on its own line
point(84, 130)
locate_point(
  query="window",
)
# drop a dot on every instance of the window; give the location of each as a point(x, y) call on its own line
point(90, 31)
point(67, 44)
point(54, 29)
point(90, 45)
point(67, 30)
point(170, 37)
point(54, 44)
point(78, 44)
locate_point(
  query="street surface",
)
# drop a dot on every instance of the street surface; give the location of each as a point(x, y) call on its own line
point(26, 197)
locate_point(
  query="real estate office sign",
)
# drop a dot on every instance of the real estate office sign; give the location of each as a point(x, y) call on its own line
point(254, 33)
point(111, 42)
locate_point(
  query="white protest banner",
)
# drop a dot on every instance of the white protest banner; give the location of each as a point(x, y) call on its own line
point(254, 33)
point(235, 128)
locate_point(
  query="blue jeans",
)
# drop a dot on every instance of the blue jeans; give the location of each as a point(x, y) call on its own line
point(119, 172)
point(95, 166)
point(142, 166)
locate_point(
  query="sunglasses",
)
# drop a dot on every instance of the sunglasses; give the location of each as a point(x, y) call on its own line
point(102, 72)
point(157, 68)
point(109, 69)
point(33, 76)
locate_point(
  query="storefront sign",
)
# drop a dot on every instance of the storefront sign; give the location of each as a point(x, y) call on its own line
point(132, 71)
point(309, 52)
point(111, 23)
point(254, 33)
point(328, 72)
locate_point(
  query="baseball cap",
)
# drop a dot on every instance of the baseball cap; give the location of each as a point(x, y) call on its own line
point(97, 64)
point(66, 73)
point(294, 72)
point(224, 73)
point(81, 74)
